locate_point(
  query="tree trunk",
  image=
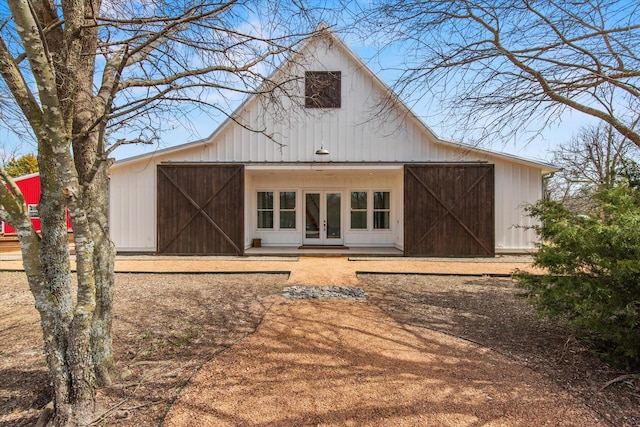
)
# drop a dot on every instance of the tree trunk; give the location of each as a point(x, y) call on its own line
point(56, 300)
point(97, 200)
point(76, 330)
point(88, 129)
point(68, 337)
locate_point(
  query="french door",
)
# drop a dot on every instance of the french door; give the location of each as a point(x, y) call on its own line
point(323, 218)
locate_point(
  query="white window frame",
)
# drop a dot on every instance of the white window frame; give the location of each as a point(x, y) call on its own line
point(366, 210)
point(294, 210)
point(371, 211)
point(374, 210)
point(272, 210)
point(276, 209)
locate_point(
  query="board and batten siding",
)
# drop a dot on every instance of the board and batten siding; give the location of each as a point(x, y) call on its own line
point(357, 135)
point(356, 132)
point(516, 187)
point(133, 205)
point(132, 209)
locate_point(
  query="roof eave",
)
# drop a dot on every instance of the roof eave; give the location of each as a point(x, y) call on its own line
point(545, 168)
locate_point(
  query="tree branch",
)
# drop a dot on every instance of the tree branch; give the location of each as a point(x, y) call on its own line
point(13, 209)
point(17, 85)
point(518, 59)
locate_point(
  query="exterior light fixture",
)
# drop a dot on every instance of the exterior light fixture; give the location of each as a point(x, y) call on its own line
point(322, 151)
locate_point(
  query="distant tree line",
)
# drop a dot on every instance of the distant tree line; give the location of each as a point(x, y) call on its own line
point(23, 165)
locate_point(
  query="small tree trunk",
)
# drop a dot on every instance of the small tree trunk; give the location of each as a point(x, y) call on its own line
point(69, 346)
point(103, 261)
point(55, 303)
point(80, 354)
point(47, 304)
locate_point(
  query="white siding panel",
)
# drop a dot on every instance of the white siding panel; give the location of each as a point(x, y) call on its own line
point(133, 208)
point(516, 187)
point(356, 132)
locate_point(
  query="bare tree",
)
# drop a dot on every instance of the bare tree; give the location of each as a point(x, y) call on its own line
point(597, 156)
point(506, 64)
point(88, 76)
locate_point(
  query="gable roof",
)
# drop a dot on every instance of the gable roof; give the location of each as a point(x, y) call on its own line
point(328, 35)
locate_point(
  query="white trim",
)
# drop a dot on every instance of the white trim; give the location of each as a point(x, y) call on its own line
point(24, 177)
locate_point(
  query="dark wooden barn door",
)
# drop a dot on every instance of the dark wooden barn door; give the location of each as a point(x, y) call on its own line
point(449, 210)
point(201, 209)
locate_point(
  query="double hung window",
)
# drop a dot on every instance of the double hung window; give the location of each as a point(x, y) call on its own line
point(265, 209)
point(358, 210)
point(279, 210)
point(381, 209)
point(367, 210)
point(287, 209)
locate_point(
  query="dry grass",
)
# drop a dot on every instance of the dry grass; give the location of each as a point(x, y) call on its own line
point(493, 313)
point(167, 326)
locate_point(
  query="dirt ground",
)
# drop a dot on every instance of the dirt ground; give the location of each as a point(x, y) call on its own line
point(449, 350)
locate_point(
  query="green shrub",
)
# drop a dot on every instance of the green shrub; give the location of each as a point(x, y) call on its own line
point(593, 265)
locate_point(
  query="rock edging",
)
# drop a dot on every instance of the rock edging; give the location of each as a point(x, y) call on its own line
point(325, 292)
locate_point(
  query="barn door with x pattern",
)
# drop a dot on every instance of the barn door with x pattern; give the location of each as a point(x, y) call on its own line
point(449, 210)
point(201, 209)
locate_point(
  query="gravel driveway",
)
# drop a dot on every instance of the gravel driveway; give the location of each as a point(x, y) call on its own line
point(324, 363)
point(421, 350)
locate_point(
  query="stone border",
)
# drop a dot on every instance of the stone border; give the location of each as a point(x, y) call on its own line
point(325, 292)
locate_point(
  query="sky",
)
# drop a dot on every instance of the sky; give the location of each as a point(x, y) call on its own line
point(383, 65)
point(537, 149)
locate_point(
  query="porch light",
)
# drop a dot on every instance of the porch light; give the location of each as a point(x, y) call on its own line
point(322, 151)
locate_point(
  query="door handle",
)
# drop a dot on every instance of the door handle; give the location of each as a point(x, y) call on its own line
point(324, 225)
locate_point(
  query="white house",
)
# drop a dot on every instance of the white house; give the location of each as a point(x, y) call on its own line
point(339, 174)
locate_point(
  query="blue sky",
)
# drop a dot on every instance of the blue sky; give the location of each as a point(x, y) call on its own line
point(386, 66)
point(537, 148)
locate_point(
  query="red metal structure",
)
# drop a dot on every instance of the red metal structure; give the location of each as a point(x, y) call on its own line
point(30, 187)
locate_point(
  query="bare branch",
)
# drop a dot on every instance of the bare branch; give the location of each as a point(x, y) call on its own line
point(121, 142)
point(517, 60)
point(597, 156)
point(19, 89)
point(13, 209)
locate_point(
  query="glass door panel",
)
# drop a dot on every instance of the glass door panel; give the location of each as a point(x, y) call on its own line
point(333, 216)
point(312, 216)
point(323, 218)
